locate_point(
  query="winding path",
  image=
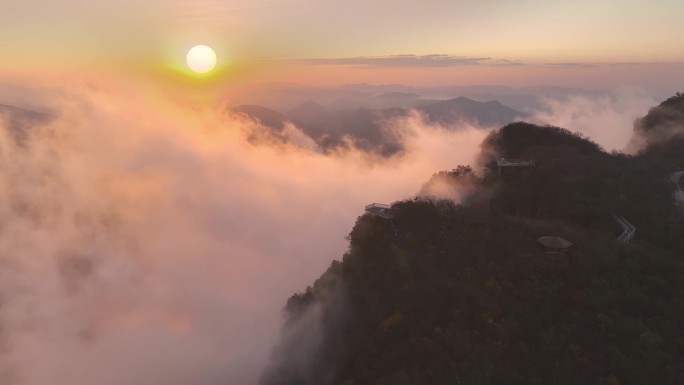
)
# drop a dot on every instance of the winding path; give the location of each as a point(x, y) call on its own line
point(679, 192)
point(628, 230)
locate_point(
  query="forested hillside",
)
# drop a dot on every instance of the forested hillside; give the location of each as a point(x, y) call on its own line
point(464, 294)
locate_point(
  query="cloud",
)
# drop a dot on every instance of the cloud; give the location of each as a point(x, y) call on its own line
point(629, 64)
point(441, 60)
point(145, 240)
point(607, 118)
point(505, 63)
point(595, 64)
point(402, 61)
point(571, 65)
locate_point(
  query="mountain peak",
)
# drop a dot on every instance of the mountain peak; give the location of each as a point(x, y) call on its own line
point(307, 107)
point(267, 116)
point(462, 109)
point(660, 126)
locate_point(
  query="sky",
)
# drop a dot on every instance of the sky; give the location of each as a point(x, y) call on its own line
point(144, 239)
point(602, 43)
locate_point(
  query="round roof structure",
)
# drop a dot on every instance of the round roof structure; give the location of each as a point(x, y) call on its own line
point(554, 242)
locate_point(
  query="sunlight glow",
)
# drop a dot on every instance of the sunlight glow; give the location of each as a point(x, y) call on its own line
point(201, 59)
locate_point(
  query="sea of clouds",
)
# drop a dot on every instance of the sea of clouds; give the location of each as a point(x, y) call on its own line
point(145, 240)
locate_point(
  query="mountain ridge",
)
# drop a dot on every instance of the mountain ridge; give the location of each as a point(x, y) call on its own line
point(364, 126)
point(444, 293)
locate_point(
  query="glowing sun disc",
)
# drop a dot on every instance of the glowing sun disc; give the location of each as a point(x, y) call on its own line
point(201, 59)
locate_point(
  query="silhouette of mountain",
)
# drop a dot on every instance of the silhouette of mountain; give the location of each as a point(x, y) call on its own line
point(461, 109)
point(663, 123)
point(285, 96)
point(330, 130)
point(267, 117)
point(393, 100)
point(15, 113)
point(376, 101)
point(19, 121)
point(658, 137)
point(310, 116)
point(363, 127)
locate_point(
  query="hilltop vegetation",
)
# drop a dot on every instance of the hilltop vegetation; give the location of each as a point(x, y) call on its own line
point(659, 135)
point(463, 294)
point(573, 180)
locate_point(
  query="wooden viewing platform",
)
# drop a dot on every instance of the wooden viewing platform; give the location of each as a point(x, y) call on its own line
point(379, 209)
point(503, 162)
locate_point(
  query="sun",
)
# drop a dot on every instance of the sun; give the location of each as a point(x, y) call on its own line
point(201, 59)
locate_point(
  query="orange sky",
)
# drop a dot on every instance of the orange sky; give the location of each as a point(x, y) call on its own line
point(563, 42)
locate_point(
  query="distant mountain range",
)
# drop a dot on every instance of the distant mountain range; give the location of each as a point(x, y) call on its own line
point(18, 121)
point(332, 128)
point(461, 109)
point(286, 96)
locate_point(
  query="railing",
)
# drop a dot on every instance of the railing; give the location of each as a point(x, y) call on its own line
point(378, 206)
point(503, 162)
point(379, 209)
